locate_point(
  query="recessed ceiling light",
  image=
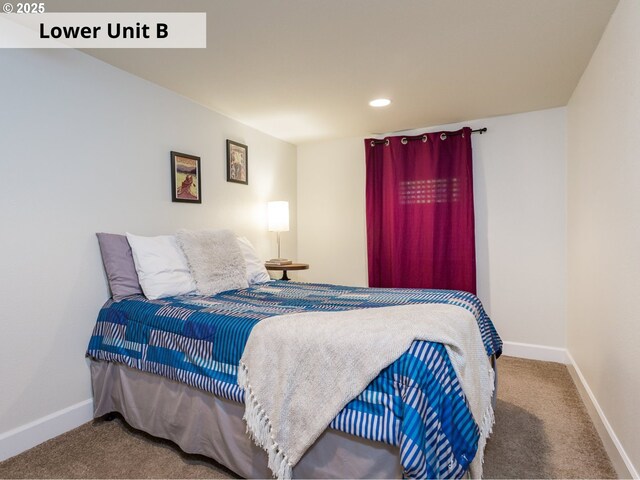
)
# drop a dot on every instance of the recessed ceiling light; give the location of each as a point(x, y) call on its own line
point(380, 102)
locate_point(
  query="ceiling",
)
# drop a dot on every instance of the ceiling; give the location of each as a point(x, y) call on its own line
point(305, 70)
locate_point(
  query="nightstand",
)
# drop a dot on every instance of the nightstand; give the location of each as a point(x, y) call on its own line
point(285, 268)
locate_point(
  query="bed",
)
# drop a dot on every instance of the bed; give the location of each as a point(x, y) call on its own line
point(170, 367)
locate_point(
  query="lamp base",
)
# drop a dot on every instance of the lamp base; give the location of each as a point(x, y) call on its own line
point(279, 261)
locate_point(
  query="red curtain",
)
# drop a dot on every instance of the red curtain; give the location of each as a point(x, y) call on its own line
point(420, 222)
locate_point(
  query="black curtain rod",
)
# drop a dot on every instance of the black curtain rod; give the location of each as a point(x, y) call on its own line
point(423, 137)
point(477, 130)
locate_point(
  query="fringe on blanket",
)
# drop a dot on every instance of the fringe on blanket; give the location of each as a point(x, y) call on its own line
point(486, 429)
point(259, 427)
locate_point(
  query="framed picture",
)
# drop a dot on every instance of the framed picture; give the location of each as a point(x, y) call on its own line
point(185, 178)
point(237, 162)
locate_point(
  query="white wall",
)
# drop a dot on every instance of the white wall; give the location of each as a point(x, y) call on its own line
point(331, 212)
point(604, 226)
point(85, 148)
point(519, 181)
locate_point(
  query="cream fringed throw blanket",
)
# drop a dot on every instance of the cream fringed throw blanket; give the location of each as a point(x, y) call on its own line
point(298, 371)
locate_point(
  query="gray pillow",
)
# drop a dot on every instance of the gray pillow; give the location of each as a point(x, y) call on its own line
point(118, 263)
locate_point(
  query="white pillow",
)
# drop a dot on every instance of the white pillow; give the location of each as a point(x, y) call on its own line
point(256, 273)
point(162, 267)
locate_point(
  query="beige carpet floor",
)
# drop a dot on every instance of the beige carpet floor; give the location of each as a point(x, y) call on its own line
point(542, 430)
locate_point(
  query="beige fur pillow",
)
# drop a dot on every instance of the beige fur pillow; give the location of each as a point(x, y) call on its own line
point(215, 260)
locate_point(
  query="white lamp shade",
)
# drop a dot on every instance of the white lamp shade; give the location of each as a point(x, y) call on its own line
point(278, 215)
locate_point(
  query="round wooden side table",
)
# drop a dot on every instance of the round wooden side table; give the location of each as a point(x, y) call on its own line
point(285, 268)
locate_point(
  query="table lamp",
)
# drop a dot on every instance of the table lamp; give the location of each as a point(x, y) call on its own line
point(278, 218)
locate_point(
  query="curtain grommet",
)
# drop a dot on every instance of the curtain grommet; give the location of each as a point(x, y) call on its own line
point(443, 136)
point(386, 142)
point(424, 139)
point(404, 140)
point(373, 143)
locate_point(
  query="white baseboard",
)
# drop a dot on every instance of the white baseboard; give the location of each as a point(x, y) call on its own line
point(621, 461)
point(535, 352)
point(615, 450)
point(34, 433)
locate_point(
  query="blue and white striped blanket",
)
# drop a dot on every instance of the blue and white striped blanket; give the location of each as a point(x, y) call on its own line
point(416, 403)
